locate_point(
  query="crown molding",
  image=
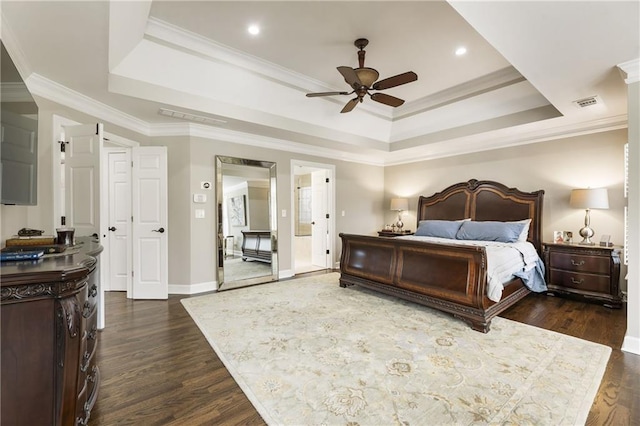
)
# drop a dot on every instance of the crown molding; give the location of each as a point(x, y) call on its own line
point(49, 89)
point(632, 70)
point(504, 77)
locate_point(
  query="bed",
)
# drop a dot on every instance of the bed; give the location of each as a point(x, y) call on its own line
point(450, 277)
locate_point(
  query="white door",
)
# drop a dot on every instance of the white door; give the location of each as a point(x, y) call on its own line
point(118, 222)
point(320, 221)
point(83, 149)
point(150, 215)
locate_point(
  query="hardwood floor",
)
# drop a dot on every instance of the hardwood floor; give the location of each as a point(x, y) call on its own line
point(158, 369)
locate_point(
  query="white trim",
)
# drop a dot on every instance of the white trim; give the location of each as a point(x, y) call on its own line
point(631, 344)
point(287, 273)
point(632, 70)
point(193, 288)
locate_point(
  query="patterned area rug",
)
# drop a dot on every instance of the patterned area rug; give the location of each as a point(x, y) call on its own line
point(306, 351)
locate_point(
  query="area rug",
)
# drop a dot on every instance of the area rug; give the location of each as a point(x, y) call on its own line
point(307, 352)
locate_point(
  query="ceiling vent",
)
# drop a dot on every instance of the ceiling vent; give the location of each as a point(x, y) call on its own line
point(190, 117)
point(583, 103)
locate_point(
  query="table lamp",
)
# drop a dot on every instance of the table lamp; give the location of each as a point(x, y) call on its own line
point(399, 205)
point(590, 198)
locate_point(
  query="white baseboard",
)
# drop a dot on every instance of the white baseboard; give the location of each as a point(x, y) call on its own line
point(631, 345)
point(193, 288)
point(285, 274)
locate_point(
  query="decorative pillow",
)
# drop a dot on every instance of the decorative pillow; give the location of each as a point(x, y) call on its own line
point(505, 232)
point(439, 228)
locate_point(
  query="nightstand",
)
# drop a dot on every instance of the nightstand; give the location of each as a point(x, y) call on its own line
point(591, 272)
point(385, 233)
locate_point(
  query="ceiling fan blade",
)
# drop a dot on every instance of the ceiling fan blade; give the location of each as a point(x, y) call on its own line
point(396, 80)
point(350, 77)
point(313, 95)
point(383, 98)
point(350, 105)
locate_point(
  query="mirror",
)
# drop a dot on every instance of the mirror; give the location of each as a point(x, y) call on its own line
point(19, 142)
point(246, 222)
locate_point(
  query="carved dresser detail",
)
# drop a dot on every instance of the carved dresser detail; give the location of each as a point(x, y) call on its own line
point(49, 338)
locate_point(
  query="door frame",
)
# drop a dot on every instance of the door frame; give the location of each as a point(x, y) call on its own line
point(331, 203)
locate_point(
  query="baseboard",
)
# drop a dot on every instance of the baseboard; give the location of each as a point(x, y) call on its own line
point(288, 273)
point(631, 345)
point(193, 288)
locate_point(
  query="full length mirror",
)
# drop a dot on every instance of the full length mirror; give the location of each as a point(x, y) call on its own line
point(246, 222)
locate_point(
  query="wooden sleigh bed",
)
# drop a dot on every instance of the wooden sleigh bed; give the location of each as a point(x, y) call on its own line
point(450, 278)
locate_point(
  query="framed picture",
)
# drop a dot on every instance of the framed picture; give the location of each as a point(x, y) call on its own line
point(567, 236)
point(558, 237)
point(237, 214)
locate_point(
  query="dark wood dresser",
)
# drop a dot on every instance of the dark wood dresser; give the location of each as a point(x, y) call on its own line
point(49, 337)
point(591, 272)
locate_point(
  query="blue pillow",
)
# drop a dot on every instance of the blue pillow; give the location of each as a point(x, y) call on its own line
point(505, 232)
point(438, 228)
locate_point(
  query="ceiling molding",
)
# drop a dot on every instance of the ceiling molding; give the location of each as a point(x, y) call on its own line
point(48, 89)
point(632, 70)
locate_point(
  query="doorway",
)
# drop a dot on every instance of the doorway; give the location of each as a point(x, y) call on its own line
point(313, 216)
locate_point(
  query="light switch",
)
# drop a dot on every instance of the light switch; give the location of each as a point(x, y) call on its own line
point(284, 213)
point(199, 213)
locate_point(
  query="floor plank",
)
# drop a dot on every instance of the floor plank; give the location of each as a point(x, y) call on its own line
point(158, 369)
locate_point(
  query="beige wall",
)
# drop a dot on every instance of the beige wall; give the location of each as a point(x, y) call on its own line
point(363, 192)
point(556, 166)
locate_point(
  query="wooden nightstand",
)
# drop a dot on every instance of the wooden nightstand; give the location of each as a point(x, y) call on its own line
point(385, 233)
point(592, 272)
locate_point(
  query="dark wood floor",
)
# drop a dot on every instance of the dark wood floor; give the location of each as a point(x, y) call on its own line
point(158, 369)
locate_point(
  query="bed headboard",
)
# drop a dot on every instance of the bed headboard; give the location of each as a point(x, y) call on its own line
point(485, 200)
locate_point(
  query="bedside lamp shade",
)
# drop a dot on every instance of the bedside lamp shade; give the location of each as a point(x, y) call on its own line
point(591, 198)
point(399, 205)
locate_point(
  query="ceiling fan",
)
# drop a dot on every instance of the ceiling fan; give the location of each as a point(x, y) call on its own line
point(362, 80)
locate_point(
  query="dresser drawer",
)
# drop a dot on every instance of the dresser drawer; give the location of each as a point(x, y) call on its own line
point(580, 263)
point(579, 281)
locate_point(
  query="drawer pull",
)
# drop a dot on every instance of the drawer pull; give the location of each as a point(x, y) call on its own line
point(580, 281)
point(93, 291)
point(574, 263)
point(86, 309)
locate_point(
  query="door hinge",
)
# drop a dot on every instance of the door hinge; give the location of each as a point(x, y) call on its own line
point(132, 273)
point(132, 164)
point(327, 251)
point(97, 128)
point(131, 218)
point(63, 145)
point(327, 216)
point(327, 180)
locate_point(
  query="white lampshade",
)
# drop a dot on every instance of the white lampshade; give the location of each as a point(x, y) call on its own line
point(399, 204)
point(590, 198)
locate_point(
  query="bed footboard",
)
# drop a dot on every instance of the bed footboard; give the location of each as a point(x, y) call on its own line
point(448, 278)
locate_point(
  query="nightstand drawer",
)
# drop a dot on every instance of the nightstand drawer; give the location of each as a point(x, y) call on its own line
point(578, 281)
point(580, 263)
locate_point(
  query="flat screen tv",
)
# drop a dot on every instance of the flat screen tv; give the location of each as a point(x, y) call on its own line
point(19, 137)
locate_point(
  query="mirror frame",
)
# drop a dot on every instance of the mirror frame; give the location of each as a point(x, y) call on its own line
point(273, 219)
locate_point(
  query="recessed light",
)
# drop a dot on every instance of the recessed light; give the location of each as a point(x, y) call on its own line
point(253, 29)
point(461, 51)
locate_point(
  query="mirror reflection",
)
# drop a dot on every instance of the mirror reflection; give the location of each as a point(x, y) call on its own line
point(246, 222)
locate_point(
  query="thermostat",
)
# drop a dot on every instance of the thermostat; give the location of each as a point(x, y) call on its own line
point(205, 185)
point(199, 198)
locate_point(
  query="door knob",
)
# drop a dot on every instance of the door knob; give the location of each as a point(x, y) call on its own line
point(112, 228)
point(160, 230)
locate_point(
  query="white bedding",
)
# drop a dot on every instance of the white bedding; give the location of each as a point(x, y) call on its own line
point(503, 260)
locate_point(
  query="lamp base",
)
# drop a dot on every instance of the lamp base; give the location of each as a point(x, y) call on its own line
point(586, 233)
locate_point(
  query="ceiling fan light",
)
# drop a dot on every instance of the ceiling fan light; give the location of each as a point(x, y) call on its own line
point(367, 76)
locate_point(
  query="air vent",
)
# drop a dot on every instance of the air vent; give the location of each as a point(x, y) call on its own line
point(583, 103)
point(190, 117)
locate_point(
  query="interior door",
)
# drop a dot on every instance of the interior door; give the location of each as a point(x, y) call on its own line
point(83, 152)
point(320, 221)
point(119, 219)
point(150, 215)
